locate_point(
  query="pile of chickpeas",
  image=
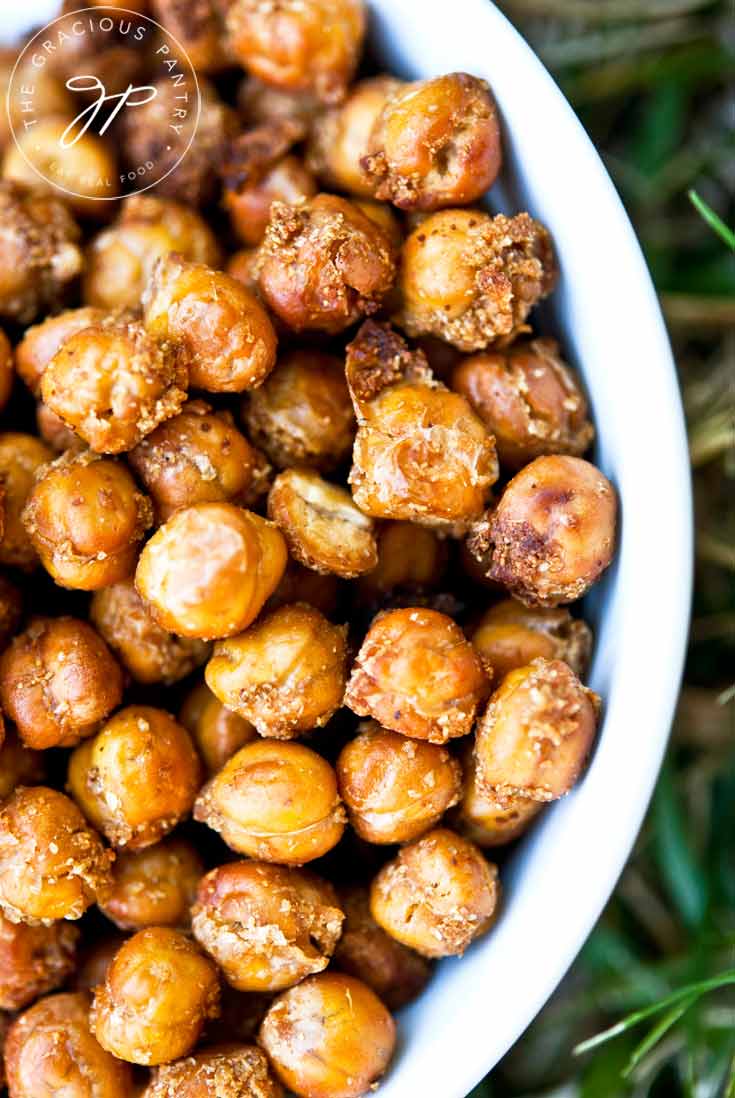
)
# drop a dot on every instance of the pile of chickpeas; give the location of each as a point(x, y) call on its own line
point(294, 502)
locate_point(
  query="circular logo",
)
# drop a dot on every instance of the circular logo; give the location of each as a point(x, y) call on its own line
point(129, 111)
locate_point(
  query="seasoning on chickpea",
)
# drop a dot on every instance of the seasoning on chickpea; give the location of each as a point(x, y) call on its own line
point(285, 674)
point(52, 865)
point(153, 887)
point(510, 635)
point(18, 764)
point(552, 533)
point(85, 518)
point(487, 818)
point(208, 571)
point(216, 731)
point(158, 993)
point(276, 801)
point(137, 778)
point(328, 1037)
point(239, 1071)
point(21, 456)
point(197, 28)
point(58, 680)
point(417, 674)
point(411, 558)
point(34, 960)
point(41, 342)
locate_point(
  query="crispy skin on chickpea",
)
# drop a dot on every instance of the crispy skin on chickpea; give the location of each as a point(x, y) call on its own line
point(421, 453)
point(435, 143)
point(302, 413)
point(239, 1071)
point(21, 457)
point(112, 383)
point(472, 279)
point(153, 887)
point(285, 674)
point(52, 865)
point(50, 1051)
point(266, 926)
point(536, 733)
point(328, 1037)
point(158, 993)
point(18, 764)
point(217, 732)
point(530, 400)
point(276, 801)
point(416, 674)
point(34, 960)
point(41, 342)
point(510, 635)
point(198, 30)
point(147, 651)
point(552, 533)
point(323, 264)
point(488, 819)
point(208, 571)
point(137, 778)
point(85, 518)
point(395, 788)
point(410, 558)
point(58, 680)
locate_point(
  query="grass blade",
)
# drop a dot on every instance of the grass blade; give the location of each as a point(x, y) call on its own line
point(652, 1038)
point(715, 222)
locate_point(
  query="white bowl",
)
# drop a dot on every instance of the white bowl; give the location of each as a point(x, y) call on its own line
point(606, 313)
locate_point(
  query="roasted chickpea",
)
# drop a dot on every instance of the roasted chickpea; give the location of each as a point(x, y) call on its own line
point(55, 433)
point(208, 571)
point(299, 584)
point(275, 801)
point(410, 558)
point(510, 635)
point(33, 960)
point(241, 266)
point(323, 528)
point(50, 1051)
point(223, 332)
point(417, 674)
point(328, 1037)
point(239, 1071)
point(137, 778)
point(52, 865)
point(153, 887)
point(421, 453)
point(18, 764)
point(197, 28)
point(21, 456)
point(41, 342)
point(157, 995)
point(58, 680)
point(396, 974)
point(11, 607)
point(299, 45)
point(437, 895)
point(266, 926)
point(530, 400)
point(552, 533)
point(472, 279)
point(40, 254)
point(536, 733)
point(384, 216)
point(85, 518)
point(395, 788)
point(217, 732)
point(488, 819)
point(324, 264)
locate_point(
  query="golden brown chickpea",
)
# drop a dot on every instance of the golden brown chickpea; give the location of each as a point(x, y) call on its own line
point(510, 635)
point(384, 216)
point(223, 332)
point(437, 895)
point(137, 778)
point(55, 433)
point(208, 571)
point(410, 558)
point(18, 764)
point(552, 533)
point(153, 887)
point(536, 733)
point(530, 400)
point(299, 45)
point(50, 1051)
point(285, 674)
point(146, 650)
point(275, 801)
point(396, 974)
point(435, 143)
point(266, 926)
point(157, 995)
point(40, 252)
point(421, 453)
point(11, 608)
point(120, 259)
point(41, 342)
point(85, 519)
point(302, 413)
point(197, 28)
point(21, 456)
point(323, 528)
point(58, 680)
point(328, 1037)
point(395, 788)
point(300, 584)
point(52, 865)
point(217, 732)
point(472, 279)
point(33, 960)
point(112, 383)
point(324, 264)
point(417, 674)
point(227, 1071)
point(487, 819)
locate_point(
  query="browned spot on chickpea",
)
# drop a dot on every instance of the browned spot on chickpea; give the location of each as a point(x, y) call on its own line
point(487, 818)
point(153, 887)
point(18, 764)
point(510, 635)
point(21, 457)
point(197, 27)
point(240, 1071)
point(217, 732)
point(34, 960)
